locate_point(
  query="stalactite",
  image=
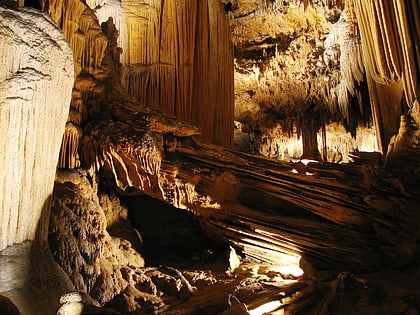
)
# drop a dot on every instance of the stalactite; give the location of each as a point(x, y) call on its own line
point(374, 49)
point(390, 41)
point(124, 157)
point(222, 79)
point(177, 57)
point(391, 58)
point(408, 24)
point(78, 105)
point(69, 154)
point(81, 29)
point(306, 3)
point(94, 49)
point(343, 48)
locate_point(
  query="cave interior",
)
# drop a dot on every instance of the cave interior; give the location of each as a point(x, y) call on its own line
point(210, 157)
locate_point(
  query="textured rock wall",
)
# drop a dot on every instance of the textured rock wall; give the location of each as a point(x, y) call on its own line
point(177, 56)
point(328, 57)
point(93, 70)
point(104, 266)
point(295, 66)
point(36, 77)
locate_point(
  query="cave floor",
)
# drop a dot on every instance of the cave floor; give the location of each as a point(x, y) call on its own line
point(214, 294)
point(245, 291)
point(14, 282)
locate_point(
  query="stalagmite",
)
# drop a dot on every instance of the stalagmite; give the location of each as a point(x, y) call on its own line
point(35, 58)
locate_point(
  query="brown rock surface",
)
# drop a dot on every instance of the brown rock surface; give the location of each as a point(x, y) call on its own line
point(334, 221)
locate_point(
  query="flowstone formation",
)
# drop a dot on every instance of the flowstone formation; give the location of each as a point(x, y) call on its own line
point(35, 58)
point(177, 56)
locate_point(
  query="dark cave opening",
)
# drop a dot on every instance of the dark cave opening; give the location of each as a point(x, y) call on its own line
point(171, 236)
point(33, 4)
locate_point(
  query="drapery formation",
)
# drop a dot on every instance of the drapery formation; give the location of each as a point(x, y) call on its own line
point(333, 215)
point(88, 43)
point(390, 44)
point(176, 54)
point(177, 57)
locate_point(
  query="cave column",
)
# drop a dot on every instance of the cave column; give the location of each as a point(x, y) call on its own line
point(36, 78)
point(309, 130)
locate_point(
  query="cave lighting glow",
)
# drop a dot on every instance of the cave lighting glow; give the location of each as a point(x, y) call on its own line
point(306, 161)
point(295, 271)
point(284, 260)
point(283, 256)
point(267, 308)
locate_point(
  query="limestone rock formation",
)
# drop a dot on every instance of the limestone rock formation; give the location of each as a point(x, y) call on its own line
point(104, 267)
point(331, 54)
point(298, 75)
point(323, 217)
point(36, 77)
point(177, 56)
point(391, 59)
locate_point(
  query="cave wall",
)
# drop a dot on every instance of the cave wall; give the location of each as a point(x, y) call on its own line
point(93, 74)
point(390, 54)
point(331, 58)
point(35, 58)
point(297, 66)
point(204, 179)
point(177, 56)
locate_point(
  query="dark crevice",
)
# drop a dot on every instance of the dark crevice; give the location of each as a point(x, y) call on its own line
point(33, 4)
point(170, 236)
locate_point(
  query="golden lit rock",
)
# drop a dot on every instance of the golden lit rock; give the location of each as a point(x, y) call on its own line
point(177, 56)
point(310, 77)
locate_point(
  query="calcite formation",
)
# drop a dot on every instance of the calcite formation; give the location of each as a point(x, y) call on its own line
point(161, 73)
point(358, 217)
point(36, 78)
point(106, 268)
point(298, 68)
point(330, 54)
point(391, 57)
point(177, 56)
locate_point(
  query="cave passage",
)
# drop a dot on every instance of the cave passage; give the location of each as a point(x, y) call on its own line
point(171, 236)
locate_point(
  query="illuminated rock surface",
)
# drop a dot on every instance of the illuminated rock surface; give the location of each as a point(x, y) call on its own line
point(36, 77)
point(294, 69)
point(177, 57)
point(352, 228)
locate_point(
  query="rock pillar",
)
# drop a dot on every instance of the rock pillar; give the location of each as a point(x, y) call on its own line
point(36, 78)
